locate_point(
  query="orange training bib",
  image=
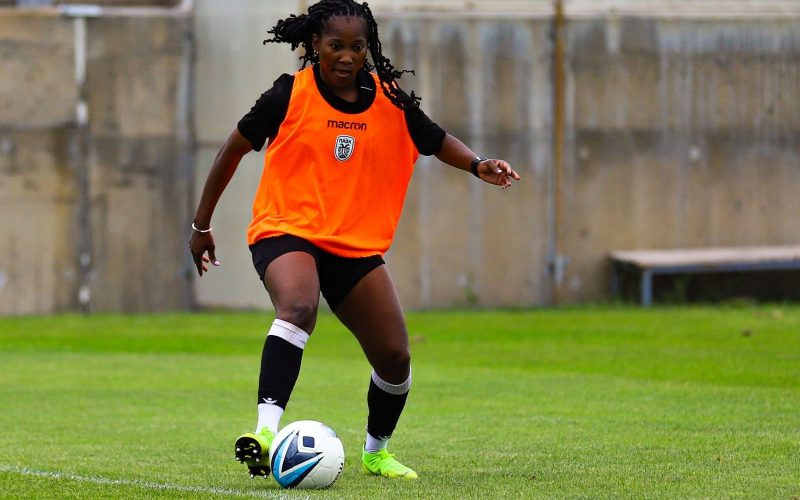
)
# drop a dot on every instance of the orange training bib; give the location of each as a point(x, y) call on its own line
point(335, 179)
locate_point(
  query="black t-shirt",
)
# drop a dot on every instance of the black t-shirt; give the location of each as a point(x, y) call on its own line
point(269, 111)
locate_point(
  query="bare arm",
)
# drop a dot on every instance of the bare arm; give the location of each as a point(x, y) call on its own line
point(456, 154)
point(222, 170)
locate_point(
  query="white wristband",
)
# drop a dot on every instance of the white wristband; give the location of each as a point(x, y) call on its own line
point(201, 230)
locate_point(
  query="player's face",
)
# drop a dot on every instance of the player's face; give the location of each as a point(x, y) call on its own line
point(342, 48)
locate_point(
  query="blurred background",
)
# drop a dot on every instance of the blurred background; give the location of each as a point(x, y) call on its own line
point(636, 124)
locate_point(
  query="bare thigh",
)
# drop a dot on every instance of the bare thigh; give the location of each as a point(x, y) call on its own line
point(372, 312)
point(293, 285)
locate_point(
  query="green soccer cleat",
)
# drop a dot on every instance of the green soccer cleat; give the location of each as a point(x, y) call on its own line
point(383, 463)
point(252, 449)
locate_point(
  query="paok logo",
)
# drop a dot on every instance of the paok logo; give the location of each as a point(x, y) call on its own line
point(345, 145)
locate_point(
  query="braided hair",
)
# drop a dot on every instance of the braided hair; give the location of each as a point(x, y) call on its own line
point(298, 30)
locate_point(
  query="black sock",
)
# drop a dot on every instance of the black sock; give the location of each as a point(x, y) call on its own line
point(384, 408)
point(280, 367)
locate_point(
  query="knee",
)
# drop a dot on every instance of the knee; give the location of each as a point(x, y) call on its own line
point(300, 313)
point(395, 365)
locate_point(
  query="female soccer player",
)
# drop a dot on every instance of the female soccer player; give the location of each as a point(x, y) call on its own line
point(342, 142)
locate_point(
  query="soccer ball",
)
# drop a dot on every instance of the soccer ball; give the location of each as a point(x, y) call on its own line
point(306, 454)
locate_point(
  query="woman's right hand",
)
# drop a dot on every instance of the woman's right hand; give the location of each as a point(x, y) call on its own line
point(227, 160)
point(199, 245)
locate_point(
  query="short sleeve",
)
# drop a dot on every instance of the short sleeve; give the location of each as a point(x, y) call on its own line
point(265, 117)
point(426, 134)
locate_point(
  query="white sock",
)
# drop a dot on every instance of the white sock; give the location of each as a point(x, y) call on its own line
point(269, 416)
point(374, 444)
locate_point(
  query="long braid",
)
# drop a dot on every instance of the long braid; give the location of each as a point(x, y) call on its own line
point(387, 74)
point(298, 30)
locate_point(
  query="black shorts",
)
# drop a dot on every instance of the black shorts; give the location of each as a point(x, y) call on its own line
point(337, 275)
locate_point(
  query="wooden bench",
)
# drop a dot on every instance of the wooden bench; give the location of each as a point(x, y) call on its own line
point(648, 263)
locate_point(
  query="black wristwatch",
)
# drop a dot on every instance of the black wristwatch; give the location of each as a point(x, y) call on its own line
point(473, 167)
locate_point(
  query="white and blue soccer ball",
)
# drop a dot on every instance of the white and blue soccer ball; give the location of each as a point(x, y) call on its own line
point(306, 454)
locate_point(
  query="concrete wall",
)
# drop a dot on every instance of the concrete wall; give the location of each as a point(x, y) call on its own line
point(681, 133)
point(681, 128)
point(38, 179)
point(95, 162)
point(460, 241)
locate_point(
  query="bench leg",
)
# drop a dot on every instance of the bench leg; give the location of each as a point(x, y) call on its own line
point(647, 288)
point(615, 279)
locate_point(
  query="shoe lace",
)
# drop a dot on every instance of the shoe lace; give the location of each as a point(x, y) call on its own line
point(383, 459)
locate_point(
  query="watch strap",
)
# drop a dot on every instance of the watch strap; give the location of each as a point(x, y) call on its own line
point(473, 167)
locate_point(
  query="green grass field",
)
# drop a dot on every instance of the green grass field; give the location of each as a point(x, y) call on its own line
point(578, 403)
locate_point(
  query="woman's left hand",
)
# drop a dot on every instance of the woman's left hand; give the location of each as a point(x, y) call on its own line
point(498, 172)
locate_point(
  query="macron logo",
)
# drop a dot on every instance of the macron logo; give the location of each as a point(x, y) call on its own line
point(270, 401)
point(347, 125)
